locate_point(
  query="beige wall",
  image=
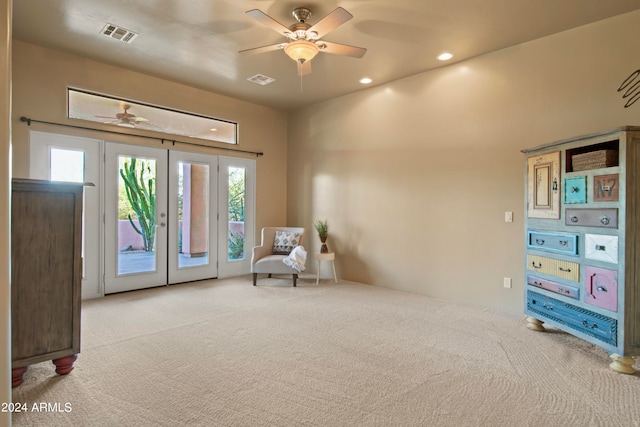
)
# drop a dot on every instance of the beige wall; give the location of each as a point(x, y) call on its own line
point(414, 176)
point(41, 77)
point(5, 174)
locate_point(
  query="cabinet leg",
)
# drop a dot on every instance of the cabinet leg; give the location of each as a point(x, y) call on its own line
point(534, 324)
point(622, 364)
point(17, 376)
point(64, 365)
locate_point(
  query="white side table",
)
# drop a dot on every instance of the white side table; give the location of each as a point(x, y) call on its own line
point(327, 256)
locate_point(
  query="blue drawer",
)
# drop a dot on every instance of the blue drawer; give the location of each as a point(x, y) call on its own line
point(593, 324)
point(564, 243)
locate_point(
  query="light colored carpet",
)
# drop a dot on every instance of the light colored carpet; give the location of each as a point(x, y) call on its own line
point(225, 353)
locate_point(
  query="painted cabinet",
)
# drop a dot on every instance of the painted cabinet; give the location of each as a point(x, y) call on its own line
point(46, 274)
point(582, 240)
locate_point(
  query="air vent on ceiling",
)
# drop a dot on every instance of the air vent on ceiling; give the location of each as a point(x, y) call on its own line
point(261, 79)
point(119, 33)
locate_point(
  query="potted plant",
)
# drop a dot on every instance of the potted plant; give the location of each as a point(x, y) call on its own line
point(323, 232)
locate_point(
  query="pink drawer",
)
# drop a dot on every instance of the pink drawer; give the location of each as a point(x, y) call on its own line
point(601, 287)
point(567, 291)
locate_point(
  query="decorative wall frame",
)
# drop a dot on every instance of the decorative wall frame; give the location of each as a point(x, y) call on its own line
point(575, 190)
point(543, 186)
point(605, 188)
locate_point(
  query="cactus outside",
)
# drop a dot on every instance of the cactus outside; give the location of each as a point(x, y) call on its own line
point(142, 198)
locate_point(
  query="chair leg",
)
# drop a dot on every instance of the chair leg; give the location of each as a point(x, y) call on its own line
point(255, 278)
point(295, 278)
point(269, 276)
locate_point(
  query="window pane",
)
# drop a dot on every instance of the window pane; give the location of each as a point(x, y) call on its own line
point(67, 165)
point(130, 114)
point(193, 214)
point(236, 213)
point(136, 215)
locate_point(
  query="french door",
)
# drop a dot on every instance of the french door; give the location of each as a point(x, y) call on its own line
point(160, 217)
point(135, 217)
point(154, 216)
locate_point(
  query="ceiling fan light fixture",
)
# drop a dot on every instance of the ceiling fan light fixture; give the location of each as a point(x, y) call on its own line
point(301, 51)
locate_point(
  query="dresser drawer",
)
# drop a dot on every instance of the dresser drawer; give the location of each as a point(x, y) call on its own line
point(555, 267)
point(601, 287)
point(607, 217)
point(553, 242)
point(567, 291)
point(593, 324)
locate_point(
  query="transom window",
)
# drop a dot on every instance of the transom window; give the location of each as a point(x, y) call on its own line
point(125, 113)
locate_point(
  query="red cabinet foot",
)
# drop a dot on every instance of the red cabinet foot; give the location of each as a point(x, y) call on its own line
point(17, 376)
point(64, 365)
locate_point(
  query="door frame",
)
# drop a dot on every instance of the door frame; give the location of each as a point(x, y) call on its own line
point(95, 162)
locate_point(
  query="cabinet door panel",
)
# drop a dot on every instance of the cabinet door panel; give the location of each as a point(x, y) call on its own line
point(601, 287)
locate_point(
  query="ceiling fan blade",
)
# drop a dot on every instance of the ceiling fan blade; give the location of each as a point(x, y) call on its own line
point(265, 19)
point(342, 49)
point(263, 49)
point(330, 22)
point(304, 68)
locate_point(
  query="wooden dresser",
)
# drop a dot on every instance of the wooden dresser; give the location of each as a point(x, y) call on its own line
point(582, 240)
point(46, 274)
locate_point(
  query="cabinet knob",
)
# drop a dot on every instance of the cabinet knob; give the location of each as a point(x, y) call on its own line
point(605, 220)
point(574, 219)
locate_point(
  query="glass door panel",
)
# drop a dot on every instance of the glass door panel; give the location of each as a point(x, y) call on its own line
point(193, 207)
point(193, 214)
point(136, 214)
point(236, 177)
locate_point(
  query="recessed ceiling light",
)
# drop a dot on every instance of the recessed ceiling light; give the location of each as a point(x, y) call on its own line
point(445, 56)
point(213, 130)
point(365, 80)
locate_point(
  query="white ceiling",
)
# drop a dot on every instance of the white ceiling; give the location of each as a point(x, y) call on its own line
point(196, 42)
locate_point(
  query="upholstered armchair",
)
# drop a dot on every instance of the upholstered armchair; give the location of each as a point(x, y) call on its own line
point(276, 245)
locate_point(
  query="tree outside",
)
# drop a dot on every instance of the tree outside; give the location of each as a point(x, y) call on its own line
point(236, 211)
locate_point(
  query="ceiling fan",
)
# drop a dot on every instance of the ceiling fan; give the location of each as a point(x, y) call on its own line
point(127, 119)
point(304, 40)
